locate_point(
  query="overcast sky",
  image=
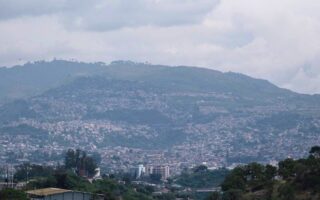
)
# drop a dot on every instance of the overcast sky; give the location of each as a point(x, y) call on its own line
point(278, 40)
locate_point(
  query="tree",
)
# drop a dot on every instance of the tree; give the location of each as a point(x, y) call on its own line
point(12, 194)
point(70, 159)
point(77, 158)
point(155, 177)
point(168, 196)
point(270, 172)
point(214, 196)
point(232, 194)
point(127, 178)
point(286, 168)
point(254, 172)
point(200, 168)
point(235, 180)
point(315, 151)
point(61, 180)
point(286, 192)
point(42, 182)
point(28, 171)
point(90, 166)
point(80, 161)
point(83, 160)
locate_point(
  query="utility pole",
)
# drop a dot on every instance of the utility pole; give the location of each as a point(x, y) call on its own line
point(7, 176)
point(12, 171)
point(11, 176)
point(27, 175)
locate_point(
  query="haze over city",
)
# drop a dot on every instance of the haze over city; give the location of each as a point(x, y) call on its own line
point(159, 100)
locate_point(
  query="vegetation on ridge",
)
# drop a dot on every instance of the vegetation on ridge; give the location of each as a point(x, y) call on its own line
point(293, 179)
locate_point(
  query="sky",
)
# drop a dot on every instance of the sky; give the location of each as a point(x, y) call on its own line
point(277, 40)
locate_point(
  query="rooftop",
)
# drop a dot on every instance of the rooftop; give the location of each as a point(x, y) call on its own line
point(47, 191)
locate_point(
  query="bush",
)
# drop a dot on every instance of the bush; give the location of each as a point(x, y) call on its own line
point(12, 194)
point(286, 192)
point(232, 194)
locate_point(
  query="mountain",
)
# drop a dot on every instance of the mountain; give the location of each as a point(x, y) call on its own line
point(193, 114)
point(34, 78)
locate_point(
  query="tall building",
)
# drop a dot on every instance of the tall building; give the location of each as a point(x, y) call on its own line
point(164, 171)
point(138, 171)
point(141, 170)
point(149, 169)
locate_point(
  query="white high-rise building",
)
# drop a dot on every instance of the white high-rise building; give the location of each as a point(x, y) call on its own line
point(141, 170)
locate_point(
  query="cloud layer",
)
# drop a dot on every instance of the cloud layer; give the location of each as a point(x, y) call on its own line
point(270, 39)
point(104, 15)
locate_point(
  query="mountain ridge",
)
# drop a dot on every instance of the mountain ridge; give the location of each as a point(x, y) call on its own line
point(31, 79)
point(179, 110)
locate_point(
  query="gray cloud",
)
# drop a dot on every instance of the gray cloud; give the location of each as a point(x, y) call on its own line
point(15, 8)
point(101, 15)
point(270, 39)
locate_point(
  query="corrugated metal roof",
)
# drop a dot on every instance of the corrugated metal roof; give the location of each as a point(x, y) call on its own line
point(47, 191)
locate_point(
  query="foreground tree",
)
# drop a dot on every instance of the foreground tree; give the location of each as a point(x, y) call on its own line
point(12, 194)
point(80, 161)
point(299, 178)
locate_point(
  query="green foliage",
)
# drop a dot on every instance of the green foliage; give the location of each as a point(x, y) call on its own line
point(108, 187)
point(43, 182)
point(127, 178)
point(232, 194)
point(80, 161)
point(200, 168)
point(61, 179)
point(148, 190)
point(235, 180)
point(286, 192)
point(156, 178)
point(12, 194)
point(132, 195)
point(270, 172)
point(214, 196)
point(298, 177)
point(286, 168)
point(201, 177)
point(315, 151)
point(30, 171)
point(168, 196)
point(251, 176)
